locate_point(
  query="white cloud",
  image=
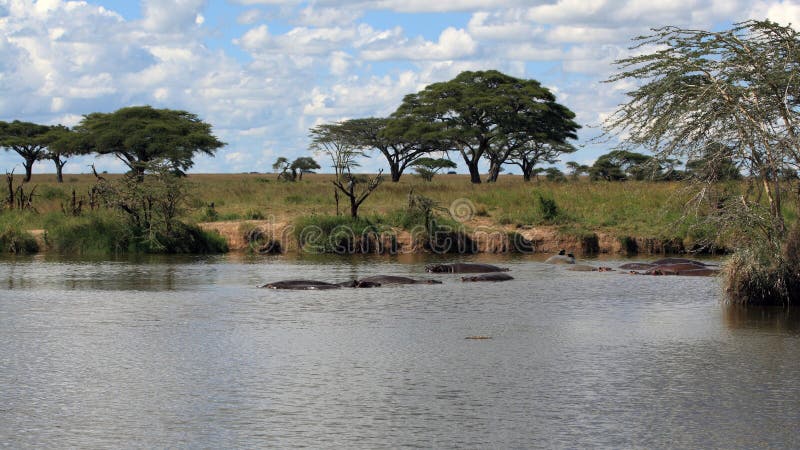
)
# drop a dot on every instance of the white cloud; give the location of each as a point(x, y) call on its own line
point(452, 44)
point(784, 12)
point(171, 16)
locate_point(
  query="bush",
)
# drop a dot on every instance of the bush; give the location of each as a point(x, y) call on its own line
point(759, 277)
point(109, 233)
point(341, 234)
point(14, 240)
point(92, 234)
point(548, 209)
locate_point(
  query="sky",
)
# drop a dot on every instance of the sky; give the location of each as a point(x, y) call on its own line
point(262, 72)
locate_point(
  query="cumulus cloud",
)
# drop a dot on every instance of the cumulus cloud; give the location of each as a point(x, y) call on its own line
point(172, 15)
point(452, 44)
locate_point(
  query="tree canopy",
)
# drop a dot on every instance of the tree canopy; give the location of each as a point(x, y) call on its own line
point(29, 140)
point(488, 114)
point(727, 99)
point(731, 96)
point(139, 135)
point(338, 144)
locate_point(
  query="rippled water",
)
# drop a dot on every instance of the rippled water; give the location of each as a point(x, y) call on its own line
point(190, 353)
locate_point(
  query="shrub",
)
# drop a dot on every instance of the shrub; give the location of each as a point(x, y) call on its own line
point(757, 276)
point(14, 240)
point(340, 234)
point(548, 209)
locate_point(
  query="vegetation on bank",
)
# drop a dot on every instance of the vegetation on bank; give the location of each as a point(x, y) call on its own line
point(575, 207)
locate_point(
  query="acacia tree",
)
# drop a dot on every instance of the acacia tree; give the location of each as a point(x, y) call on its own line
point(335, 141)
point(400, 140)
point(63, 143)
point(301, 165)
point(476, 112)
point(140, 135)
point(730, 95)
point(426, 168)
point(29, 140)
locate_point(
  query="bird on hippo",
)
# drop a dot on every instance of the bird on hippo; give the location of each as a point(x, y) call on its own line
point(464, 268)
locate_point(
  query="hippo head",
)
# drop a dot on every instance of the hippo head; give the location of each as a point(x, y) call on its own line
point(436, 268)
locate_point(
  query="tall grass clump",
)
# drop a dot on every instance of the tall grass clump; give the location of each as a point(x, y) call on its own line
point(91, 234)
point(341, 234)
point(757, 276)
point(13, 239)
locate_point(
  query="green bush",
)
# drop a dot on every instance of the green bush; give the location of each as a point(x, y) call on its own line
point(339, 234)
point(548, 209)
point(91, 234)
point(14, 240)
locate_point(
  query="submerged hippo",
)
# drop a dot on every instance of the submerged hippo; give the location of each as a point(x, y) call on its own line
point(637, 266)
point(301, 285)
point(664, 261)
point(317, 285)
point(588, 268)
point(464, 268)
point(684, 269)
point(561, 258)
point(489, 277)
point(392, 279)
point(360, 284)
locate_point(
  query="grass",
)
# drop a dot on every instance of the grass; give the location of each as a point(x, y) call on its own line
point(622, 209)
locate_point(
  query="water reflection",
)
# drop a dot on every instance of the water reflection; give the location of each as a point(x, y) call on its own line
point(763, 318)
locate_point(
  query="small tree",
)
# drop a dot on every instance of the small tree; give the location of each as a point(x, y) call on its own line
point(554, 174)
point(332, 140)
point(301, 165)
point(281, 165)
point(63, 143)
point(27, 139)
point(426, 168)
point(576, 169)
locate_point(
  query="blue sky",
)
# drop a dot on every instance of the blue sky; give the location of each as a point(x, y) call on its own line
point(263, 72)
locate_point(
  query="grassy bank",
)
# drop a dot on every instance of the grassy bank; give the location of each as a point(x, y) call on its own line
point(630, 211)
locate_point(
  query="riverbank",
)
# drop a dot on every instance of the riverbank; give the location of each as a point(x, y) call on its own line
point(579, 215)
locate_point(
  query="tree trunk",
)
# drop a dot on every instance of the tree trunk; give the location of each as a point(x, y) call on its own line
point(474, 173)
point(494, 172)
point(353, 208)
point(59, 169)
point(526, 175)
point(394, 169)
point(28, 169)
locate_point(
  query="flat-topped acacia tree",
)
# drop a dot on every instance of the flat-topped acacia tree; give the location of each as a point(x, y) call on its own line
point(29, 140)
point(140, 135)
point(488, 114)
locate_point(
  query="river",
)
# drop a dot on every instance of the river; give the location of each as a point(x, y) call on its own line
point(189, 352)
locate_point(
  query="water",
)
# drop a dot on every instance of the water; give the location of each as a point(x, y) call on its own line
point(188, 352)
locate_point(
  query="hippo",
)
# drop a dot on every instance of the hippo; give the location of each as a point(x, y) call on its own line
point(463, 268)
point(359, 284)
point(664, 261)
point(588, 268)
point(301, 285)
point(317, 285)
point(637, 266)
point(684, 269)
point(392, 279)
point(489, 277)
point(561, 258)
